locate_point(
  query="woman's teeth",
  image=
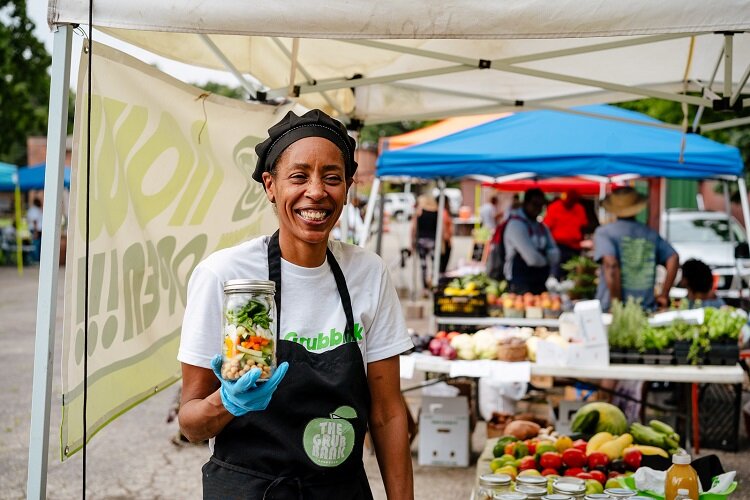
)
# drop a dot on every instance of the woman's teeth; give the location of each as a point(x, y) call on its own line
point(315, 215)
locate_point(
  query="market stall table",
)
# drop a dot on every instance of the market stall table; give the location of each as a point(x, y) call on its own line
point(521, 372)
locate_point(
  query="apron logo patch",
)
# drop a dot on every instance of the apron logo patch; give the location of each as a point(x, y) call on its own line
point(329, 441)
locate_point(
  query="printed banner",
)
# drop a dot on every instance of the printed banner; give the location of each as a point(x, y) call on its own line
point(170, 184)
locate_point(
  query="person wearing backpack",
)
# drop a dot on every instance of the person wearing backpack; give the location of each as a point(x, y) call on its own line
point(524, 247)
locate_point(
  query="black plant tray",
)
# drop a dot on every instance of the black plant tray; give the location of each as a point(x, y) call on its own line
point(654, 357)
point(721, 353)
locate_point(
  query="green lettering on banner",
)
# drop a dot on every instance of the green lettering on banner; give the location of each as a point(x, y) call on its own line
point(323, 341)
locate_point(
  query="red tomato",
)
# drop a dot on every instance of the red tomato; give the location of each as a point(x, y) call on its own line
point(583, 475)
point(597, 459)
point(531, 445)
point(599, 476)
point(573, 457)
point(548, 472)
point(580, 444)
point(551, 460)
point(441, 334)
point(527, 463)
point(574, 471)
point(613, 473)
point(633, 459)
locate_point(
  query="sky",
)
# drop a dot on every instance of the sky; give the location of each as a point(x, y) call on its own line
point(37, 11)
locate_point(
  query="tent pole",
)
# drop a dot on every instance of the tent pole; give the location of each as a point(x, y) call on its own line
point(728, 59)
point(743, 201)
point(732, 241)
point(438, 234)
point(369, 211)
point(46, 309)
point(381, 222)
point(250, 88)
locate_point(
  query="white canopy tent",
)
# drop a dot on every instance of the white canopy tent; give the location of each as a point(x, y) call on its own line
point(443, 58)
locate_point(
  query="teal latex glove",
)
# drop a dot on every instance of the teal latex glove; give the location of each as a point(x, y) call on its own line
point(244, 395)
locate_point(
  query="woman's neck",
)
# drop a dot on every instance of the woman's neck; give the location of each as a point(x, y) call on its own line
point(302, 253)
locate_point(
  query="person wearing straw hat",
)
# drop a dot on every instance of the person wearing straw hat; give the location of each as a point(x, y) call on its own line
point(628, 253)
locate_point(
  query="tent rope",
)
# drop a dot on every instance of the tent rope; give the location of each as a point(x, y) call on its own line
point(87, 245)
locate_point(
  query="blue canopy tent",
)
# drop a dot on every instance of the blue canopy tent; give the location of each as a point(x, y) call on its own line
point(7, 176)
point(32, 177)
point(601, 141)
point(558, 144)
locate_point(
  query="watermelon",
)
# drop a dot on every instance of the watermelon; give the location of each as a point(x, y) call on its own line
point(599, 417)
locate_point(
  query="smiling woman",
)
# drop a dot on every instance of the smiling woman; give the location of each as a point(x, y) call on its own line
point(339, 331)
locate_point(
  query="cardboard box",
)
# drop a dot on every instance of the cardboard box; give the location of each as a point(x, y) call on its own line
point(444, 432)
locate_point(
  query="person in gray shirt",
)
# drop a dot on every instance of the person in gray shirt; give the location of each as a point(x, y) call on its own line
point(628, 253)
point(530, 251)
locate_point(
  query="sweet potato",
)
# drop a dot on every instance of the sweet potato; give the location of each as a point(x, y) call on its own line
point(522, 429)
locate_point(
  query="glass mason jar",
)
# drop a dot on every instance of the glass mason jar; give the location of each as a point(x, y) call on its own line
point(249, 339)
point(492, 484)
point(570, 486)
point(531, 492)
point(620, 492)
point(540, 481)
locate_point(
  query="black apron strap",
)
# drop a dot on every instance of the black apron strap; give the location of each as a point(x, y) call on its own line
point(346, 301)
point(274, 274)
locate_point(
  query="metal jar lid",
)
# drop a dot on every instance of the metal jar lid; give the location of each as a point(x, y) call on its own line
point(494, 480)
point(569, 488)
point(557, 496)
point(509, 496)
point(597, 496)
point(244, 285)
point(531, 491)
point(620, 492)
point(532, 480)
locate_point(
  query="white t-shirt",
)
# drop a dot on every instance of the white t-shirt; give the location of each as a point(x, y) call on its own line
point(312, 313)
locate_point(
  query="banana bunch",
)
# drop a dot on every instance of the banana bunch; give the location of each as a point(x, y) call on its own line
point(657, 434)
point(610, 445)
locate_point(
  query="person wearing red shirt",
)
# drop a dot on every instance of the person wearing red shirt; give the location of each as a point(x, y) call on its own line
point(566, 218)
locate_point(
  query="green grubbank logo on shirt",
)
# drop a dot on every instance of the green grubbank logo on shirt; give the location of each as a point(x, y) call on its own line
point(329, 441)
point(324, 341)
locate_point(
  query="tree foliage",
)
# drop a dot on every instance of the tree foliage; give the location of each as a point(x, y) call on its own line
point(671, 112)
point(24, 82)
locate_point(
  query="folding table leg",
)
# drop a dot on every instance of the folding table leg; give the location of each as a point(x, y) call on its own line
point(696, 420)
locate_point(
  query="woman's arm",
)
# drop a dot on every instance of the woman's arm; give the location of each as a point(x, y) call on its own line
point(388, 427)
point(611, 275)
point(202, 415)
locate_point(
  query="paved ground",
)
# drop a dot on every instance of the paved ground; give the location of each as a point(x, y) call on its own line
point(134, 457)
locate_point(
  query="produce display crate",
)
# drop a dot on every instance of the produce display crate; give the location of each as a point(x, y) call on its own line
point(473, 306)
point(719, 415)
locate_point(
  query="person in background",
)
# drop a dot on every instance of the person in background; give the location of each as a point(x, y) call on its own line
point(566, 218)
point(423, 230)
point(489, 214)
point(530, 251)
point(699, 282)
point(628, 253)
point(34, 220)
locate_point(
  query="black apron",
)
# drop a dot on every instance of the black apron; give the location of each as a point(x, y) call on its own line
point(308, 443)
point(526, 278)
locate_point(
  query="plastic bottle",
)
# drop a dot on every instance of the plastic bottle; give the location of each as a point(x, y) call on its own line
point(681, 476)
